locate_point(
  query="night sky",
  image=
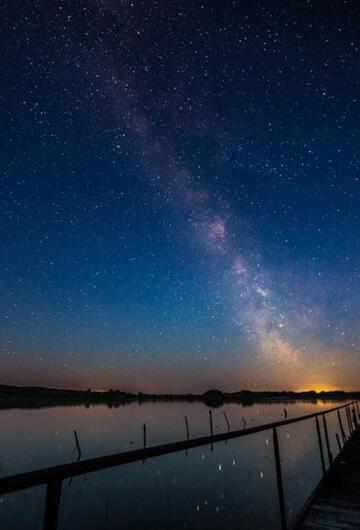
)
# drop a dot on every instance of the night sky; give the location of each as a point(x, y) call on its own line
point(180, 194)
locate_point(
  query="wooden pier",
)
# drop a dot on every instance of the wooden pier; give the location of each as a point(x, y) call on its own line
point(335, 504)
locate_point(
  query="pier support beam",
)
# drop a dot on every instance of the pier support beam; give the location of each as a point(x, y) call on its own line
point(320, 445)
point(279, 481)
point(52, 504)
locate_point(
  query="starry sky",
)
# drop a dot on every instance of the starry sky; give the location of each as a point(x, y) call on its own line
point(180, 194)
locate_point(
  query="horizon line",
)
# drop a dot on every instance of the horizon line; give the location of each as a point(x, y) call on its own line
point(210, 390)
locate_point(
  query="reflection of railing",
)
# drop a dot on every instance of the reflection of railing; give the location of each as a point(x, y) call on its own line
point(54, 476)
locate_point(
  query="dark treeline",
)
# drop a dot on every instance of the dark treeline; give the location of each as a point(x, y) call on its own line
point(34, 396)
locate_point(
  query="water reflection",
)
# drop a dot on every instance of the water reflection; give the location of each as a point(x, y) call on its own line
point(232, 485)
point(210, 489)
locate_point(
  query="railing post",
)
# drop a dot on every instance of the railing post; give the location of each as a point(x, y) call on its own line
point(320, 445)
point(52, 504)
point(341, 427)
point(338, 442)
point(279, 480)
point(354, 418)
point(351, 420)
point(357, 408)
point(348, 420)
point(330, 456)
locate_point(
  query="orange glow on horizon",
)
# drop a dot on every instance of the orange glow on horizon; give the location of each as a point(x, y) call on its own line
point(320, 388)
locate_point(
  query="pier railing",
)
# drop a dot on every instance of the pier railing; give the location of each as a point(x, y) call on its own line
point(53, 477)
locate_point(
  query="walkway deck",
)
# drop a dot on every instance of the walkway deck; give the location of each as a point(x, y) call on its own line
point(336, 503)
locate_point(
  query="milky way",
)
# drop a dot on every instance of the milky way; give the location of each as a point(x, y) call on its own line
point(180, 194)
point(252, 300)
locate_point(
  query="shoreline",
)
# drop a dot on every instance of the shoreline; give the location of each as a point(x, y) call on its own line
point(41, 397)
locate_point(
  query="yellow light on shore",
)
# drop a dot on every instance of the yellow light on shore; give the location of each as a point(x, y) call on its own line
point(319, 388)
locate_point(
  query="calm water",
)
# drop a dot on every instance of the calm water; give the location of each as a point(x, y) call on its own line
point(231, 486)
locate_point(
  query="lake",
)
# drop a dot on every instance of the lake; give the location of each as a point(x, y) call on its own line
point(231, 485)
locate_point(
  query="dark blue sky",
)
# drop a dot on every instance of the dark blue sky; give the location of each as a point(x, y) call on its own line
point(180, 194)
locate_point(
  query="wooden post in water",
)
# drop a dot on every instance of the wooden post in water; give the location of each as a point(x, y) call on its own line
point(320, 445)
point(187, 428)
point(52, 504)
point(77, 444)
point(211, 429)
point(144, 440)
point(279, 481)
point(144, 435)
point(187, 435)
point(330, 456)
point(227, 421)
point(341, 428)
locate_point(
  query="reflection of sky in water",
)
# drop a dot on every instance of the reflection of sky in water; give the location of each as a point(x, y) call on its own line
point(230, 487)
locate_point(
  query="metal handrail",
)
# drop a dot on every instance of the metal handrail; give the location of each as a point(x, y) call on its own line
point(54, 476)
